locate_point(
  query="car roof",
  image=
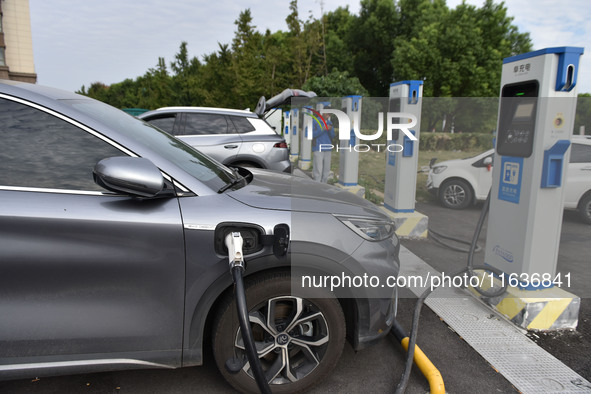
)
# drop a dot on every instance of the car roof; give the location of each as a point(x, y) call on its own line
point(35, 92)
point(208, 110)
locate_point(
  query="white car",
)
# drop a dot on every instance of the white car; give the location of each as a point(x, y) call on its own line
point(232, 137)
point(459, 183)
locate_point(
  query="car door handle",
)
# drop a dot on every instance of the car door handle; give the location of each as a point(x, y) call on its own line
point(230, 146)
point(586, 168)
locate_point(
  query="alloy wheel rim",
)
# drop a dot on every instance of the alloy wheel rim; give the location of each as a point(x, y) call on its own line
point(454, 195)
point(291, 337)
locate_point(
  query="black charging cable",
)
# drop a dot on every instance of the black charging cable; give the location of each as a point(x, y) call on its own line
point(401, 388)
point(234, 244)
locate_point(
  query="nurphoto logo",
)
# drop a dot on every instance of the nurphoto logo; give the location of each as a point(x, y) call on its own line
point(349, 130)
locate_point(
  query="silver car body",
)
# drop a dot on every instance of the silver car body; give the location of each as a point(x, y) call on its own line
point(94, 280)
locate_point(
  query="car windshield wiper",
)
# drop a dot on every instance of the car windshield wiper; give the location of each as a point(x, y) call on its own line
point(238, 178)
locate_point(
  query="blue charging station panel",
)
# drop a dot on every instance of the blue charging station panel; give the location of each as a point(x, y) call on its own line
point(553, 163)
point(408, 146)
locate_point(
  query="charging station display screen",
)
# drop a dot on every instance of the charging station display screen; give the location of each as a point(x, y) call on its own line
point(517, 119)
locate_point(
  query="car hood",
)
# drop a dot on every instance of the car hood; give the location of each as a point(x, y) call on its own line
point(463, 162)
point(452, 163)
point(271, 190)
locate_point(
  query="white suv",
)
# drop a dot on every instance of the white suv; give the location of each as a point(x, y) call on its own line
point(459, 183)
point(232, 137)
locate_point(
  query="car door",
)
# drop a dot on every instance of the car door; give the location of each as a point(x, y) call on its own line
point(84, 274)
point(211, 134)
point(578, 177)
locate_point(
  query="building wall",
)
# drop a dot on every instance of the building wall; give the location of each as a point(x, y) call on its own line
point(18, 42)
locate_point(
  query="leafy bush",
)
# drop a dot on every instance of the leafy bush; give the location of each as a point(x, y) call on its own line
point(458, 141)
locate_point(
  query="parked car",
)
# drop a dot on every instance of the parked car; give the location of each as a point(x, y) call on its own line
point(232, 137)
point(112, 253)
point(459, 183)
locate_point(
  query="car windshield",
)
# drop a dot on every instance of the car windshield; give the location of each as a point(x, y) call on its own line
point(206, 170)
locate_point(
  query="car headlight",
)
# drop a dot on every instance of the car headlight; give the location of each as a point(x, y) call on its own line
point(439, 169)
point(371, 229)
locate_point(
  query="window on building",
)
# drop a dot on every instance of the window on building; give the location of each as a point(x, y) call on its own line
point(2, 58)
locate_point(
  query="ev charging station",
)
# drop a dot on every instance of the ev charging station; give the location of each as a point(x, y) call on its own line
point(535, 125)
point(305, 161)
point(286, 127)
point(402, 162)
point(295, 143)
point(348, 155)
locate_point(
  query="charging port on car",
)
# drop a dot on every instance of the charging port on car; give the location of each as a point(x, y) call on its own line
point(251, 235)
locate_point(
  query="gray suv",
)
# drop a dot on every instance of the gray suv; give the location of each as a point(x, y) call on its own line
point(112, 253)
point(232, 137)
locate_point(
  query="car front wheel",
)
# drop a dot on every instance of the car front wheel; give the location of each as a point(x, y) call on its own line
point(455, 194)
point(299, 339)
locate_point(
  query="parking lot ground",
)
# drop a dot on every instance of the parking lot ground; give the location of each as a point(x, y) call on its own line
point(571, 347)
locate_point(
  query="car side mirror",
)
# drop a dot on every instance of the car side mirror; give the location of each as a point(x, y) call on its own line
point(135, 176)
point(487, 161)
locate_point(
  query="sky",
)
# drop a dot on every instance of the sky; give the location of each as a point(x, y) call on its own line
point(78, 42)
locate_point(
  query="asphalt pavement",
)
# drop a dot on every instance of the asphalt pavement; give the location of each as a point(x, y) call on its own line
point(379, 368)
point(574, 257)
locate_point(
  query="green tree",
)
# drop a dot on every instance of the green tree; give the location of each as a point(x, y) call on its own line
point(277, 67)
point(248, 62)
point(371, 42)
point(335, 84)
point(155, 87)
point(458, 52)
point(217, 78)
point(338, 54)
point(185, 83)
point(306, 44)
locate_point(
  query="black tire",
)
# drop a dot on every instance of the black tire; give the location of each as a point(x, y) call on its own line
point(455, 194)
point(585, 208)
point(314, 358)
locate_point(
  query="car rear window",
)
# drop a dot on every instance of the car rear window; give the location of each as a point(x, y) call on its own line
point(199, 124)
point(580, 153)
point(241, 124)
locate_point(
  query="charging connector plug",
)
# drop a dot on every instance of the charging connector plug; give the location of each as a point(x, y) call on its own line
point(234, 243)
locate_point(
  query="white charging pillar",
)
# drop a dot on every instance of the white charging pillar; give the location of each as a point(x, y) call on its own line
point(402, 160)
point(286, 127)
point(294, 151)
point(348, 154)
point(535, 125)
point(403, 153)
point(305, 161)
